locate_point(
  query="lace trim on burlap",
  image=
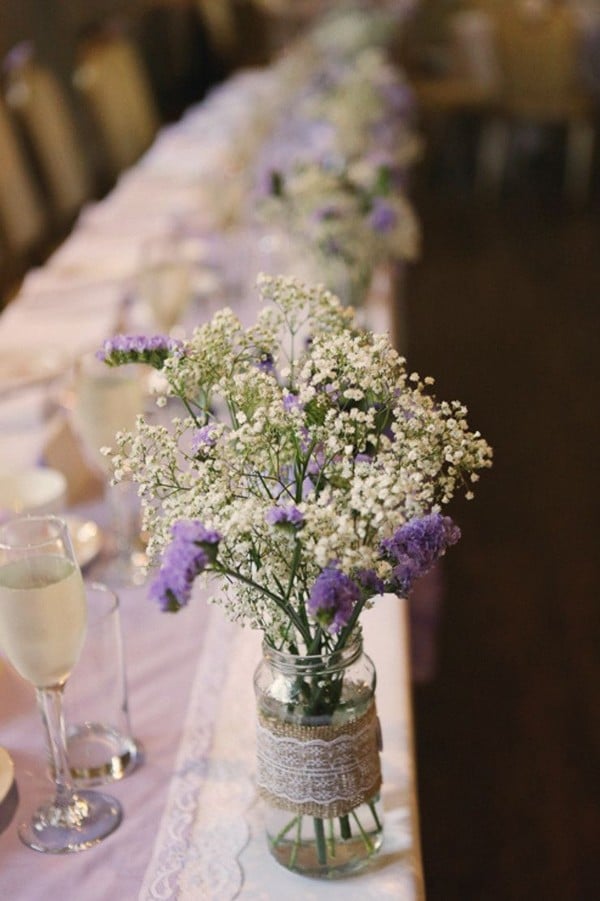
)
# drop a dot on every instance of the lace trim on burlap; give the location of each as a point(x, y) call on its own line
point(320, 771)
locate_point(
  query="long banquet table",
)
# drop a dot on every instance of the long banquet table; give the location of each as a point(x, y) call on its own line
point(192, 823)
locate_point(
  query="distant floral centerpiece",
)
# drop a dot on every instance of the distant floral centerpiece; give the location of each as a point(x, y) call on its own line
point(308, 469)
point(349, 218)
point(333, 177)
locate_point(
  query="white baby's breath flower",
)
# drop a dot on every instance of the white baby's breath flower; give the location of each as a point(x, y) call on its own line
point(340, 442)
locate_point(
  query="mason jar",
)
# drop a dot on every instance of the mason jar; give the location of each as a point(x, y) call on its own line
point(318, 765)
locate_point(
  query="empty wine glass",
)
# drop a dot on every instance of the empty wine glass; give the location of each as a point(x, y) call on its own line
point(164, 281)
point(106, 401)
point(42, 628)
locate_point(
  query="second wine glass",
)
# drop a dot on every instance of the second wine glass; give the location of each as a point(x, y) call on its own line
point(107, 401)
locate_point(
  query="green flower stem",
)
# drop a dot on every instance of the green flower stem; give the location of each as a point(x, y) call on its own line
point(331, 841)
point(188, 407)
point(295, 821)
point(349, 627)
point(373, 810)
point(365, 837)
point(315, 645)
point(345, 830)
point(320, 840)
point(287, 609)
point(297, 842)
point(293, 568)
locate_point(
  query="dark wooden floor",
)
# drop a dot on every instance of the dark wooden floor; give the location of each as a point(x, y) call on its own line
point(504, 310)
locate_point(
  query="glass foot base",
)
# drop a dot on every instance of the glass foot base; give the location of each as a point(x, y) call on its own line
point(86, 820)
point(99, 754)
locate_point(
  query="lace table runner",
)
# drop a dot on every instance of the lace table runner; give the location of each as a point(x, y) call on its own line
point(204, 828)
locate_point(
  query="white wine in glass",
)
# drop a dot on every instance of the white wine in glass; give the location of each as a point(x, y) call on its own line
point(42, 628)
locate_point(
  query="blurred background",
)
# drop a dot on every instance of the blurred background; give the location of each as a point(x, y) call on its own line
point(502, 308)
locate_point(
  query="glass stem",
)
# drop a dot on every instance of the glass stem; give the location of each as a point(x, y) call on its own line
point(118, 498)
point(50, 704)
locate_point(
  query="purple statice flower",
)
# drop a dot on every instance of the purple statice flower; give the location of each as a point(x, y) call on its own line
point(291, 402)
point(331, 246)
point(316, 462)
point(383, 217)
point(285, 516)
point(308, 486)
point(415, 546)
point(152, 350)
point(326, 211)
point(203, 438)
point(332, 599)
point(370, 582)
point(267, 364)
point(193, 547)
point(363, 458)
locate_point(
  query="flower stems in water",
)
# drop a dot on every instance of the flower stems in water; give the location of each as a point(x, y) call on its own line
point(297, 842)
point(295, 821)
point(331, 839)
point(373, 810)
point(365, 837)
point(345, 830)
point(325, 840)
point(320, 840)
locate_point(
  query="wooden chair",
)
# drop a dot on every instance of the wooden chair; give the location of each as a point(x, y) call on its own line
point(467, 85)
point(23, 221)
point(38, 101)
point(469, 76)
point(538, 50)
point(116, 90)
point(220, 19)
point(178, 54)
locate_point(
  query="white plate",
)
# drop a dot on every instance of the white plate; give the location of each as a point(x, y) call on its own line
point(35, 490)
point(87, 538)
point(7, 772)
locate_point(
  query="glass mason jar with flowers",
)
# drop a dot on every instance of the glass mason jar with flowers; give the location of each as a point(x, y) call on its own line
point(307, 472)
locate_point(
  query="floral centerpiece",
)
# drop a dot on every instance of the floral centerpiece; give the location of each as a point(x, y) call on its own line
point(307, 472)
point(333, 176)
point(350, 217)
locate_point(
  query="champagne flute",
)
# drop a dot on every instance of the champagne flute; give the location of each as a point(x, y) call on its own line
point(108, 401)
point(42, 628)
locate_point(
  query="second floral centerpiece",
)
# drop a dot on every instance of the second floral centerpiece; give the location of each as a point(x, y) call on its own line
point(308, 472)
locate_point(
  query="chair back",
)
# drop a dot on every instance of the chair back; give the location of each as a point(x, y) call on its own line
point(178, 54)
point(474, 54)
point(538, 51)
point(115, 86)
point(38, 100)
point(220, 22)
point(22, 217)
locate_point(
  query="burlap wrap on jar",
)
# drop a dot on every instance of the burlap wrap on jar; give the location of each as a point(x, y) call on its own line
point(321, 771)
